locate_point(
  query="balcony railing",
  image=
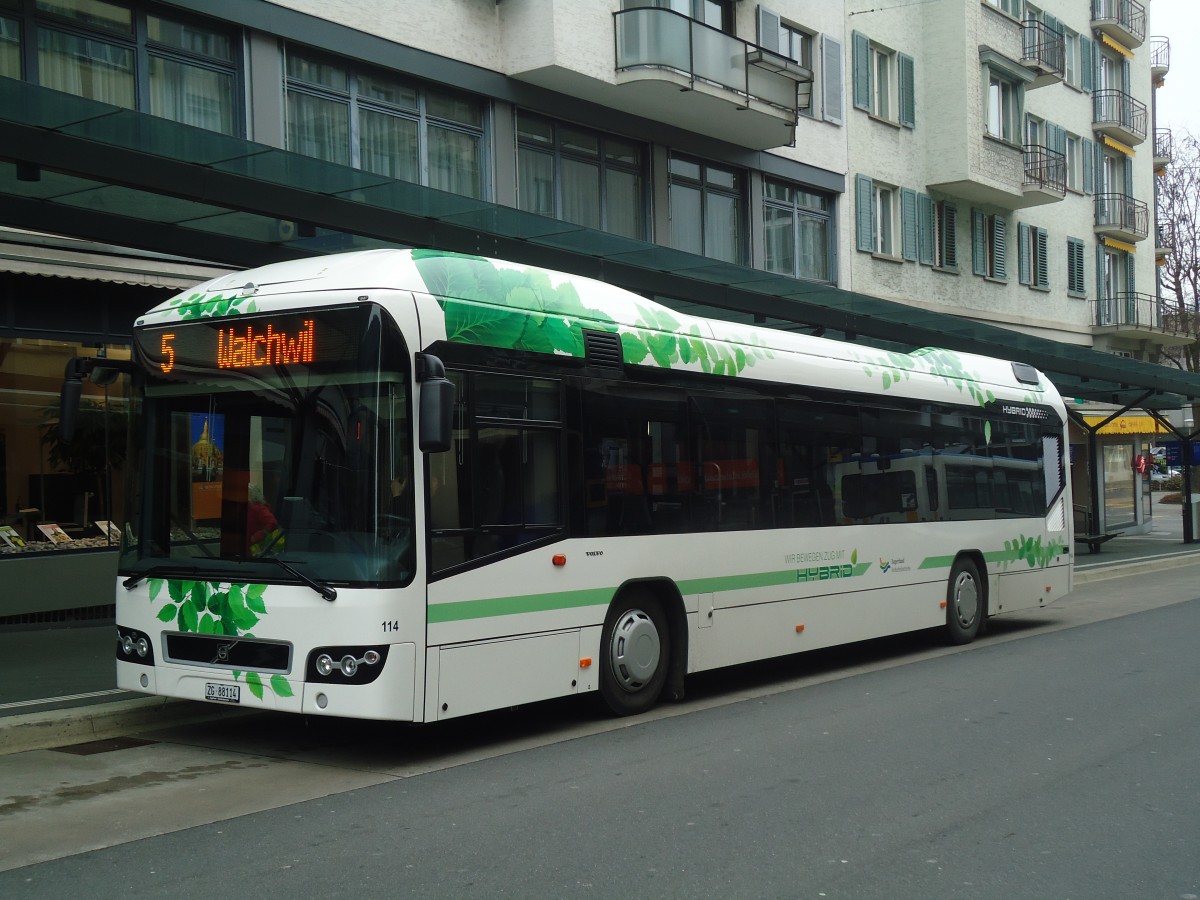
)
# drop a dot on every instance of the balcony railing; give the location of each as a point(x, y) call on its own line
point(657, 38)
point(1117, 111)
point(1123, 20)
point(1164, 238)
point(1122, 215)
point(1043, 47)
point(1164, 146)
point(1045, 169)
point(1179, 319)
point(1160, 56)
point(1129, 308)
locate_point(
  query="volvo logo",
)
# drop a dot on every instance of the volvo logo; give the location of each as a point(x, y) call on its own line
point(223, 652)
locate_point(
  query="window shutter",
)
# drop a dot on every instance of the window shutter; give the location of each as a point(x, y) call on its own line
point(1000, 248)
point(865, 208)
point(1128, 177)
point(1085, 63)
point(978, 244)
point(925, 229)
point(862, 70)
point(768, 29)
point(908, 87)
point(1098, 168)
point(950, 237)
point(1042, 254)
point(831, 79)
point(1060, 143)
point(908, 224)
point(1089, 160)
point(1023, 275)
point(1072, 266)
point(1130, 283)
point(1100, 275)
point(1081, 276)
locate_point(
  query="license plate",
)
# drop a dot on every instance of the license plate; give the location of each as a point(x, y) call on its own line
point(225, 693)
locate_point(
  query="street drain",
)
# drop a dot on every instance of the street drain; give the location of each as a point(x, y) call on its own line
point(106, 746)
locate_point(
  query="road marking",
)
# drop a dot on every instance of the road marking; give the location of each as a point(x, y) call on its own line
point(64, 699)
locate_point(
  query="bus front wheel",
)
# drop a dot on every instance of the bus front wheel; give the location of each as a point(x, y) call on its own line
point(635, 647)
point(966, 604)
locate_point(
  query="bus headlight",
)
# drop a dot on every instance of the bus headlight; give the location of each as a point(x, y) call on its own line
point(134, 646)
point(345, 665)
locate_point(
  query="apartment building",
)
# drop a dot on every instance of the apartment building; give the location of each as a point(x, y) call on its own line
point(986, 159)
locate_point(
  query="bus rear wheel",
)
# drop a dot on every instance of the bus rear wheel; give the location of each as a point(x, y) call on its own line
point(635, 647)
point(966, 604)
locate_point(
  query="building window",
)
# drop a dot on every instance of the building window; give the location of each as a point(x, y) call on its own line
point(1003, 108)
point(581, 176)
point(1076, 285)
point(938, 233)
point(799, 235)
point(10, 48)
point(1074, 179)
point(1011, 7)
point(1071, 62)
point(1032, 253)
point(170, 66)
point(989, 245)
point(383, 124)
point(884, 81)
point(706, 209)
point(713, 13)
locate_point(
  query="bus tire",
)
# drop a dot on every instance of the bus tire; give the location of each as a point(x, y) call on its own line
point(635, 650)
point(966, 602)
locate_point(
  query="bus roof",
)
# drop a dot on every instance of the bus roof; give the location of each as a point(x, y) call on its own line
point(508, 305)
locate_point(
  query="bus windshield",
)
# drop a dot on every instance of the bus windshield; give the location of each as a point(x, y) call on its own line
point(273, 448)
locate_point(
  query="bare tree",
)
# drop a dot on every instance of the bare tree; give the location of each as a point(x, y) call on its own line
point(1179, 218)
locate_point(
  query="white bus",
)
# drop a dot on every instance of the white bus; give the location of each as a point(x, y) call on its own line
point(414, 485)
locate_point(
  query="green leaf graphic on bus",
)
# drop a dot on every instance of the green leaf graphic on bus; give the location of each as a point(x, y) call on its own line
point(217, 608)
point(196, 306)
point(522, 309)
point(892, 368)
point(1032, 552)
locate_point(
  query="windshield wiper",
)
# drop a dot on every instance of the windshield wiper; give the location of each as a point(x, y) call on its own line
point(132, 581)
point(321, 588)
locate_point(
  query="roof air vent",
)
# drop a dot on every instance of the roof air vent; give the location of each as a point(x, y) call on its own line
point(603, 348)
point(1026, 374)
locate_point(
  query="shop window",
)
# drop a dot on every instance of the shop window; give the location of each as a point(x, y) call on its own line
point(54, 494)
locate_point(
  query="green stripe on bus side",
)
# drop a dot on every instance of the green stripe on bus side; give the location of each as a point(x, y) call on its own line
point(511, 606)
point(532, 603)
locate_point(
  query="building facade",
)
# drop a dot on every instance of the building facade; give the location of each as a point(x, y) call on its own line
point(992, 159)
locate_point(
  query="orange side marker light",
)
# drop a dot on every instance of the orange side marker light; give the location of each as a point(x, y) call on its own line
point(585, 662)
point(559, 559)
point(943, 605)
point(799, 629)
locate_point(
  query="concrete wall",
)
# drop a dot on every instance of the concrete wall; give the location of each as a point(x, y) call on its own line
point(57, 579)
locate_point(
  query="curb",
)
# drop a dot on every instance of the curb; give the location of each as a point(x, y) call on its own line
point(102, 721)
point(1105, 571)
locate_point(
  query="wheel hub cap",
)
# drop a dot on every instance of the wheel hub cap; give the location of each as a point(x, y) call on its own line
point(635, 650)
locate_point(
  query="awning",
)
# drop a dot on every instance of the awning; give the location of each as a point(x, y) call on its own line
point(1119, 147)
point(1118, 245)
point(1116, 45)
point(1131, 425)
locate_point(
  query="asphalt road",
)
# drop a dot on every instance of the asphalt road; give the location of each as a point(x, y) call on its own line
point(1054, 759)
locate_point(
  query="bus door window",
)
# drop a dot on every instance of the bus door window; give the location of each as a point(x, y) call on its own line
point(500, 484)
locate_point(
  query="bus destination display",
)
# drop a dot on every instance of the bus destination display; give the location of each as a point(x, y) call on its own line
point(255, 343)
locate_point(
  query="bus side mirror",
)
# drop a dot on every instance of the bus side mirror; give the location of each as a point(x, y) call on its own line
point(437, 405)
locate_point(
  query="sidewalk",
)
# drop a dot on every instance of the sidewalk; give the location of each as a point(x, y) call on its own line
point(58, 685)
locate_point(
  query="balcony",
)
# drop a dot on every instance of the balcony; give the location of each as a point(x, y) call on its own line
point(1164, 239)
point(1121, 217)
point(1045, 175)
point(1119, 116)
point(676, 70)
point(1144, 316)
point(1160, 58)
point(1122, 20)
point(1043, 50)
point(1164, 146)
